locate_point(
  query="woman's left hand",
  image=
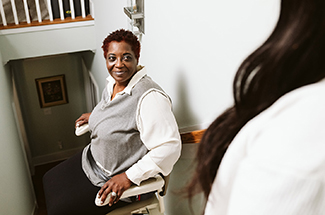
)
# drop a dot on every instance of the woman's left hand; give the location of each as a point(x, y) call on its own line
point(117, 184)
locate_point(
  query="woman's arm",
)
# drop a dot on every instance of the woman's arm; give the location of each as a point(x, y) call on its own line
point(159, 132)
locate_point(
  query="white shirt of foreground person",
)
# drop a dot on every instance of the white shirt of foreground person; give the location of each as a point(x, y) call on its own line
point(158, 131)
point(276, 163)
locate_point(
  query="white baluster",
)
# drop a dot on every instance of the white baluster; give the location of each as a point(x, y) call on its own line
point(91, 7)
point(38, 11)
point(3, 16)
point(61, 10)
point(83, 8)
point(73, 16)
point(14, 11)
point(26, 11)
point(49, 9)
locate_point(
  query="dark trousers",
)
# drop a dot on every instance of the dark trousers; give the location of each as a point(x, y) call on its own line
point(68, 191)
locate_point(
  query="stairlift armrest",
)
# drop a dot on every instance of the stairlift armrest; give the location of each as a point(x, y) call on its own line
point(80, 130)
point(149, 185)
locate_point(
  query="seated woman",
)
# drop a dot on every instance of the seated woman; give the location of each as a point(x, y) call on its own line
point(134, 136)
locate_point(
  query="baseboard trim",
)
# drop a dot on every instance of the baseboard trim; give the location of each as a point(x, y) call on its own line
point(49, 158)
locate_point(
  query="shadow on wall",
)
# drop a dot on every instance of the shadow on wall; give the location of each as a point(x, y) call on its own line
point(176, 201)
point(184, 115)
point(88, 58)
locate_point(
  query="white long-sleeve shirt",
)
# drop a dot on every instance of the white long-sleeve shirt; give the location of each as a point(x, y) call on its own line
point(276, 163)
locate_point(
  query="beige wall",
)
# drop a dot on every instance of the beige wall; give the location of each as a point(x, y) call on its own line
point(46, 128)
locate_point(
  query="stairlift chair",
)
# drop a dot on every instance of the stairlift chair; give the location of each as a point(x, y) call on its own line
point(152, 206)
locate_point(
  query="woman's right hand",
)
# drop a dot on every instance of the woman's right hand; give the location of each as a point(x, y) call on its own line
point(117, 184)
point(83, 119)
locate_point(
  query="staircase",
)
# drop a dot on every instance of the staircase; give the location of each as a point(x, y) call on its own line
point(37, 28)
point(25, 13)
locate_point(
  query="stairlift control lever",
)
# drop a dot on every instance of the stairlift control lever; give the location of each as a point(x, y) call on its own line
point(80, 130)
point(99, 202)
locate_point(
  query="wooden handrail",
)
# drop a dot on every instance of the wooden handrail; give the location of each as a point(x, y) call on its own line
point(192, 137)
point(46, 22)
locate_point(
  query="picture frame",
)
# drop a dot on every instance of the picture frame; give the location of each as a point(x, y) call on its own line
point(52, 91)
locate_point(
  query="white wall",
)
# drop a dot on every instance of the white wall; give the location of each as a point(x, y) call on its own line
point(17, 196)
point(37, 41)
point(193, 49)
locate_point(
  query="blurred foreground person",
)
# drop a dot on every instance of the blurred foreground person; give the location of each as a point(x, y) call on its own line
point(265, 155)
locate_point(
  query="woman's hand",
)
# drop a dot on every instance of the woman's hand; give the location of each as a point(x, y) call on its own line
point(83, 119)
point(117, 184)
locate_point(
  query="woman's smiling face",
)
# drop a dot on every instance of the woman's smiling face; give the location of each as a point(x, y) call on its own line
point(121, 62)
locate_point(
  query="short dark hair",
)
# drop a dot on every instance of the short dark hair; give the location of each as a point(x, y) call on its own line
point(122, 35)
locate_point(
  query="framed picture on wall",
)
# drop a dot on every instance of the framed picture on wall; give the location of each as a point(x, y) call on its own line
point(52, 91)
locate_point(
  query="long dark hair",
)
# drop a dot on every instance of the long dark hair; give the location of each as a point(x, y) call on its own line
point(293, 56)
